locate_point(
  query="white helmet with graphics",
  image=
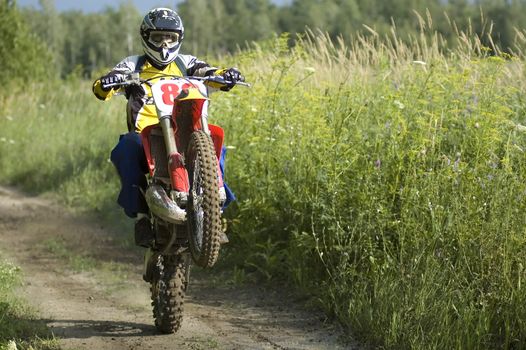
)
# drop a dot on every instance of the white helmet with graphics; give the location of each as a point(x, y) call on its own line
point(161, 32)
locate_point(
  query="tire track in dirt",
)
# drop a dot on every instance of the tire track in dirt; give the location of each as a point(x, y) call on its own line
point(87, 312)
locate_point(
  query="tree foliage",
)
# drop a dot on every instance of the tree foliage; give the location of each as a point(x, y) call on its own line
point(21, 53)
point(88, 42)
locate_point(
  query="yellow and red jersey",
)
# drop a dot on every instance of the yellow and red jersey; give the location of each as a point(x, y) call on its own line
point(141, 108)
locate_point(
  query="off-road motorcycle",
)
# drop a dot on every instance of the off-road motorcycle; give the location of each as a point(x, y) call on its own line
point(185, 191)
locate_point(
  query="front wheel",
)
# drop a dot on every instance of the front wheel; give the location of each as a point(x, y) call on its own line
point(203, 211)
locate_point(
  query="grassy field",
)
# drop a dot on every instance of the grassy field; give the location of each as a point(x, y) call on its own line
point(384, 180)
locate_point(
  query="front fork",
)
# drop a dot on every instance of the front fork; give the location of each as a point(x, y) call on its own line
point(178, 173)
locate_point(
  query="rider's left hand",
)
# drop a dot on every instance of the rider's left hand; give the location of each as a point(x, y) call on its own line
point(233, 76)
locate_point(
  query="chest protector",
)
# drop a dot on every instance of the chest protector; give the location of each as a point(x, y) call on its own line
point(141, 110)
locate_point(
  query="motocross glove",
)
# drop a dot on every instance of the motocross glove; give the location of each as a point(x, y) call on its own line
point(108, 81)
point(232, 76)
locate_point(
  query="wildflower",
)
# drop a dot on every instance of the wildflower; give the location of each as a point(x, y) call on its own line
point(9, 118)
point(378, 164)
point(482, 184)
point(456, 164)
point(11, 141)
point(422, 63)
point(520, 128)
point(11, 345)
point(399, 104)
point(42, 106)
point(310, 70)
point(3, 139)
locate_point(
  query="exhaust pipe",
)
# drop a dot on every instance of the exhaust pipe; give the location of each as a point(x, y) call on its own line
point(163, 206)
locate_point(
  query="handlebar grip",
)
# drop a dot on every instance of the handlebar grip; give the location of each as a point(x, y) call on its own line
point(120, 80)
point(109, 86)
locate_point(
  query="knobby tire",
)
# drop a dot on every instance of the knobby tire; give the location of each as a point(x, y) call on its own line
point(168, 290)
point(204, 212)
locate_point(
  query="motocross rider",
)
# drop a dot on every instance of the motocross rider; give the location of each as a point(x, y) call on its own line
point(161, 34)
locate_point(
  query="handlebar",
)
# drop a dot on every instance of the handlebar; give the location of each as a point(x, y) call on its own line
point(134, 79)
point(218, 79)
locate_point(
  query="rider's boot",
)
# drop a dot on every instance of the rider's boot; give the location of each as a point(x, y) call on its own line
point(143, 231)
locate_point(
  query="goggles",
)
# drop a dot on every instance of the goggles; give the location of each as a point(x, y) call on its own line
point(167, 39)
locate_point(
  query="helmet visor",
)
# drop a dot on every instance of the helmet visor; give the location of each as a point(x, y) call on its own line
point(164, 39)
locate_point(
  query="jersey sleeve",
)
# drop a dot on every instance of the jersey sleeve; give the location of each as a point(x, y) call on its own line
point(196, 67)
point(127, 65)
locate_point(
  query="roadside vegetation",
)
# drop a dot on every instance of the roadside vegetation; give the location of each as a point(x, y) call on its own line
point(384, 179)
point(388, 181)
point(18, 328)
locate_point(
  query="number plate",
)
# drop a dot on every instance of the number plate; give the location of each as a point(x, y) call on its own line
point(165, 92)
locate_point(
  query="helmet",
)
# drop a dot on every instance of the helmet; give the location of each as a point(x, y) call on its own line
point(161, 32)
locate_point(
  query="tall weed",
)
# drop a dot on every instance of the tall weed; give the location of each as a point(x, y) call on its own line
point(388, 181)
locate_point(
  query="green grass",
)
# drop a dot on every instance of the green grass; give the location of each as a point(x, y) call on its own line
point(201, 343)
point(111, 274)
point(61, 136)
point(74, 261)
point(396, 196)
point(19, 327)
point(385, 180)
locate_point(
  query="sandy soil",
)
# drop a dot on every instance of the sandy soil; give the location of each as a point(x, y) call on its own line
point(88, 310)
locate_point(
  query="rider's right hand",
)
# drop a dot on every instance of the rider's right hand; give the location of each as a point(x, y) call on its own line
point(110, 80)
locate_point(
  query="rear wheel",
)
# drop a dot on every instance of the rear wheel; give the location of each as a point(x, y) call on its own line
point(204, 212)
point(168, 288)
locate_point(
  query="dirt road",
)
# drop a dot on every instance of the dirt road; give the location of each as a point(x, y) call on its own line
point(110, 309)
